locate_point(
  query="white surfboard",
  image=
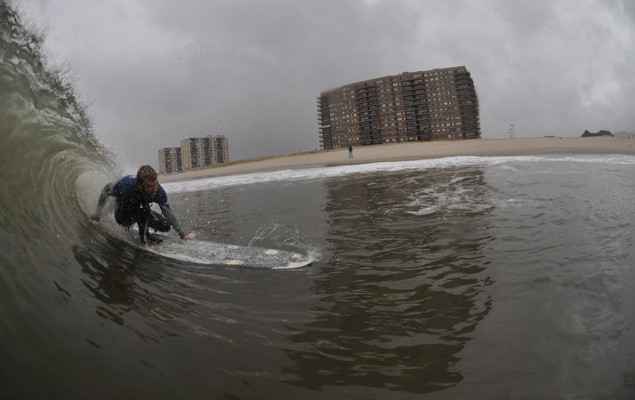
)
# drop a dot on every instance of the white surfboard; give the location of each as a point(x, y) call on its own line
point(202, 252)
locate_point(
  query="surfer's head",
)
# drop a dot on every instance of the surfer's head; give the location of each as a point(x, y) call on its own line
point(147, 181)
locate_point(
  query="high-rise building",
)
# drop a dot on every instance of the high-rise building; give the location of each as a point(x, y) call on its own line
point(200, 152)
point(169, 160)
point(440, 104)
point(194, 153)
point(221, 149)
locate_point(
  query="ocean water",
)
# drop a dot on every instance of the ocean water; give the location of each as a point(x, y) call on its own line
point(466, 277)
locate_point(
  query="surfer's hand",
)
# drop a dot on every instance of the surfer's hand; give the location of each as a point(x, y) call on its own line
point(186, 237)
point(95, 217)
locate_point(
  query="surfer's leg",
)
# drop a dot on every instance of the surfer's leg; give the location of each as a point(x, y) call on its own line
point(147, 219)
point(125, 217)
point(143, 219)
point(158, 222)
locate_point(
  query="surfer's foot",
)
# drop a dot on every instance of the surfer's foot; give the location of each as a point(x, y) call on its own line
point(153, 240)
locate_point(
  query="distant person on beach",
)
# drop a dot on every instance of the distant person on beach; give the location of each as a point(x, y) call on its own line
point(350, 151)
point(134, 195)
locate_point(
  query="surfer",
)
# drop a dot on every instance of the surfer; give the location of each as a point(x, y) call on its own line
point(134, 195)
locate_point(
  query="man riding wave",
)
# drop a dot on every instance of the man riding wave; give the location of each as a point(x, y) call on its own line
point(134, 197)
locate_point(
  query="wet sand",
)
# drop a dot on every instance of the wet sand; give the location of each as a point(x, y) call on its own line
point(416, 151)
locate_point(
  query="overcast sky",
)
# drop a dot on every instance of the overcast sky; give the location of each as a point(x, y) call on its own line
point(156, 71)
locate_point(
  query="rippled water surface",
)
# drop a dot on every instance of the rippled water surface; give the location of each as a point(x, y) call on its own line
point(466, 277)
point(462, 277)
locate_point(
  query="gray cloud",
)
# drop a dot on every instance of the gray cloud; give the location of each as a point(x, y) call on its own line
point(156, 71)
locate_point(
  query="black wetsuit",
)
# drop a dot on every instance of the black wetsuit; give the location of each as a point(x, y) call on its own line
point(135, 207)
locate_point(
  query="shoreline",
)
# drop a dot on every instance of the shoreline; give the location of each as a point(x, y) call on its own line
point(414, 151)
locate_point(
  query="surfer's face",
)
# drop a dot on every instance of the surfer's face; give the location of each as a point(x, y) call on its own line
point(149, 188)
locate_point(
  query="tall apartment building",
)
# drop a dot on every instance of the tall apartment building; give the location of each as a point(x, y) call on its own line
point(440, 104)
point(200, 152)
point(221, 148)
point(169, 160)
point(194, 153)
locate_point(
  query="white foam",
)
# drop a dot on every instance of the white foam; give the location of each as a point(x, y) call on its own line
point(340, 171)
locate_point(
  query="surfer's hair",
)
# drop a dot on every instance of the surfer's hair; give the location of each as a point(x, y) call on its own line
point(146, 173)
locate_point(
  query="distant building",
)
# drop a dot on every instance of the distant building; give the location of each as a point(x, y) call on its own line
point(221, 149)
point(201, 152)
point(169, 160)
point(194, 153)
point(439, 104)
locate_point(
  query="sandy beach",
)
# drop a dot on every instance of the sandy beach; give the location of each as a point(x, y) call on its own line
point(416, 151)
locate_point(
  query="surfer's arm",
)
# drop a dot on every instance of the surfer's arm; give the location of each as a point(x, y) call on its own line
point(105, 193)
point(167, 213)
